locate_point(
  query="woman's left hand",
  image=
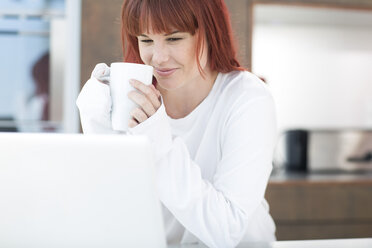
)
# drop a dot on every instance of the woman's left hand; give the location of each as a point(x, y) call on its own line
point(148, 100)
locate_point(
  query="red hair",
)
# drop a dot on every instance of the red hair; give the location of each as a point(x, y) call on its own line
point(208, 19)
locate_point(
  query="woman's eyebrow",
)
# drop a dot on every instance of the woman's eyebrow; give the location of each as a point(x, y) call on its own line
point(174, 32)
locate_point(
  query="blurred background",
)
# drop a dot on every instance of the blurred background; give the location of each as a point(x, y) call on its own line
point(315, 56)
point(317, 62)
point(35, 47)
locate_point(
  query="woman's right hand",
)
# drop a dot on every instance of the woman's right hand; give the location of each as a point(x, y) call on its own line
point(94, 102)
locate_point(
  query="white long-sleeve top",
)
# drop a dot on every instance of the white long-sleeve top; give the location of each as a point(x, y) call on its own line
point(213, 165)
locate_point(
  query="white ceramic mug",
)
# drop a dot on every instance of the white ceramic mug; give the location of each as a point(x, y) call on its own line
point(120, 74)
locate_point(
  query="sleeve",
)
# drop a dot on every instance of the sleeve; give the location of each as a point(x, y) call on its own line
point(217, 212)
point(94, 102)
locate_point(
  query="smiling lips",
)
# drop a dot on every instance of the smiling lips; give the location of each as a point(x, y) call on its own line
point(164, 72)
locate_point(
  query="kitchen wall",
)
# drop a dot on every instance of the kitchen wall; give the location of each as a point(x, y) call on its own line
point(318, 64)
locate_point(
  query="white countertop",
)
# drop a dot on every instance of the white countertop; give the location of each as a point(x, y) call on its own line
point(321, 243)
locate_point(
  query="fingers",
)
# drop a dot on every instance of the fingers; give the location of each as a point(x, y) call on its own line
point(138, 115)
point(143, 102)
point(148, 100)
point(132, 123)
point(155, 90)
point(149, 91)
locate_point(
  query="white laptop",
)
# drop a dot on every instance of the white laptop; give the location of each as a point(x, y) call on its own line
point(74, 190)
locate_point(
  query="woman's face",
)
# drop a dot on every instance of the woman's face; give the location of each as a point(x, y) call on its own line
point(173, 57)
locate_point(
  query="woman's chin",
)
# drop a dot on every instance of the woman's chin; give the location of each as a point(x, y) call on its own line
point(168, 85)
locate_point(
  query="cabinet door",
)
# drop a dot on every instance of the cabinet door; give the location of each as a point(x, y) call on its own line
point(323, 210)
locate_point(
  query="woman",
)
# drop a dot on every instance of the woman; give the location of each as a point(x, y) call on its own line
point(213, 128)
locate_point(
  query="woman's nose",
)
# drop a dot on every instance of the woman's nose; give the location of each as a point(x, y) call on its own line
point(160, 55)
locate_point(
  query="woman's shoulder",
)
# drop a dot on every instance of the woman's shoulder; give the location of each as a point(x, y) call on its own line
point(242, 85)
point(244, 99)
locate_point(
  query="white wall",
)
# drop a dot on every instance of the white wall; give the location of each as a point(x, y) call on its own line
point(320, 71)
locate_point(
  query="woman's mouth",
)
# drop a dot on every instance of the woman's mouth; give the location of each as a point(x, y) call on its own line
point(165, 72)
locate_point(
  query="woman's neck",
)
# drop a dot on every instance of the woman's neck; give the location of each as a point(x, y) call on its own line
point(182, 101)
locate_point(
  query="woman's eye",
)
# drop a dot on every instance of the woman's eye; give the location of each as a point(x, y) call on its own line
point(174, 39)
point(146, 41)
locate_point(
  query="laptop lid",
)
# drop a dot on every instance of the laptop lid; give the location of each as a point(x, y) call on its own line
point(73, 190)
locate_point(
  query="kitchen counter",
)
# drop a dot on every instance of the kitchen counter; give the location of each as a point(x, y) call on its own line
point(321, 205)
point(327, 177)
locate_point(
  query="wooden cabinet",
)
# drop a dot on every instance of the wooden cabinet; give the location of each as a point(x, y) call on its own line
point(100, 34)
point(318, 207)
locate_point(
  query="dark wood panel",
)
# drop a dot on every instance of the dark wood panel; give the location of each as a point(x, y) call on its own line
point(320, 202)
point(319, 206)
point(100, 34)
point(297, 231)
point(242, 23)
